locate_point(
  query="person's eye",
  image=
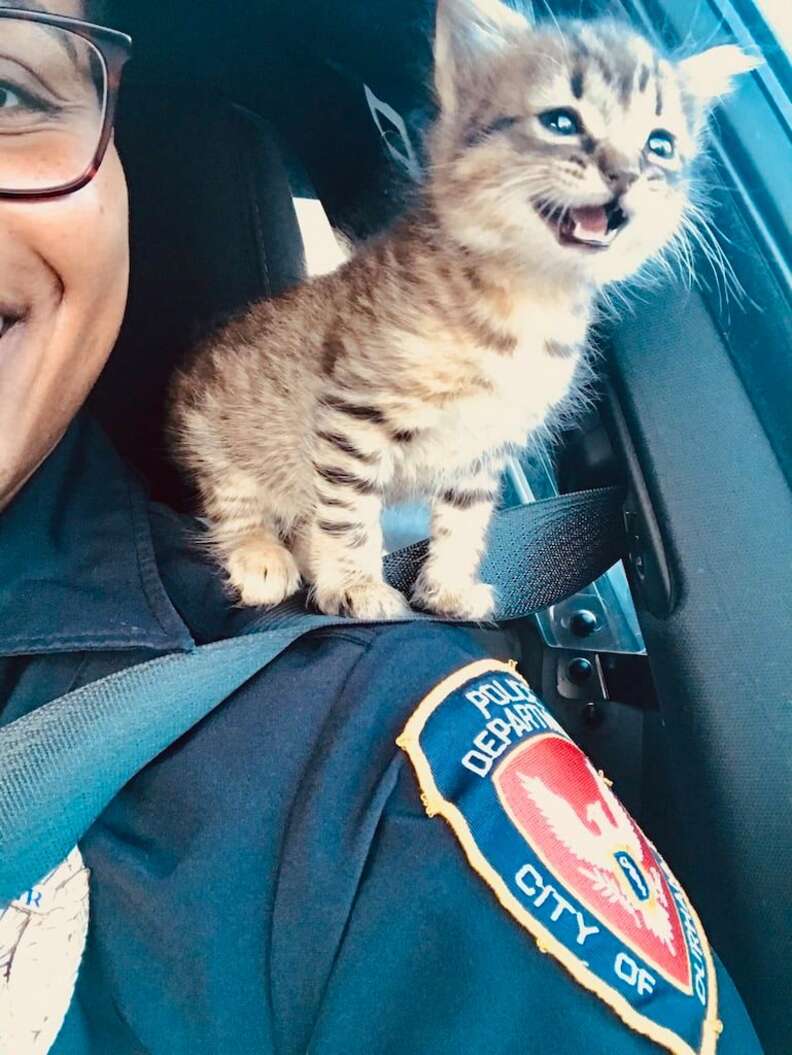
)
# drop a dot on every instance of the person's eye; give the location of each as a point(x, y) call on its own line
point(661, 144)
point(563, 122)
point(9, 99)
point(15, 100)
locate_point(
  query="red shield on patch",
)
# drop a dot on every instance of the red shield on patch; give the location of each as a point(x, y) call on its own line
point(572, 820)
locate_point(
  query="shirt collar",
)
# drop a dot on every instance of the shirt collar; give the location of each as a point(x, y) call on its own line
point(77, 565)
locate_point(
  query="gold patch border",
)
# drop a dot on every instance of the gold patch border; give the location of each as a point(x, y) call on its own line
point(436, 804)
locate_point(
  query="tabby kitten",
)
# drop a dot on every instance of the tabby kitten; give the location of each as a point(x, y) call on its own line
point(559, 163)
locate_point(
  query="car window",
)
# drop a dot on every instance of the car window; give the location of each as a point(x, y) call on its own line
point(777, 15)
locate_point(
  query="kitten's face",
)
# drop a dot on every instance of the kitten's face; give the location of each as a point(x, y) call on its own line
point(570, 146)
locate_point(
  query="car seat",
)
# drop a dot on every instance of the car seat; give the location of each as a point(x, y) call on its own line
point(213, 227)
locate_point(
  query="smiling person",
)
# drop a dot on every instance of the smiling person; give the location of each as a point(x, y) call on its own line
point(62, 297)
point(273, 882)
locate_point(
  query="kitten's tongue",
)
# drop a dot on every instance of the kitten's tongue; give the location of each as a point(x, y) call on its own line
point(592, 219)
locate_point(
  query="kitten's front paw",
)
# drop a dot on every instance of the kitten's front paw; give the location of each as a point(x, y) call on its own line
point(371, 602)
point(467, 601)
point(263, 573)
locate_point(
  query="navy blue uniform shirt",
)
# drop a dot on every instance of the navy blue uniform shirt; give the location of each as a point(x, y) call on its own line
point(272, 883)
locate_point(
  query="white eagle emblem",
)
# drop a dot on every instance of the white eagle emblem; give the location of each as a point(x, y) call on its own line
point(610, 857)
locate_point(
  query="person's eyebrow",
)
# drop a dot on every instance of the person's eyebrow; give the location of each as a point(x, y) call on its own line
point(32, 5)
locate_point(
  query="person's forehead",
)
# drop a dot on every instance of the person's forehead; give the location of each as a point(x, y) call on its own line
point(74, 8)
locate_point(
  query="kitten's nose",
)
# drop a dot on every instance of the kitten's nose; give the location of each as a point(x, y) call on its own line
point(620, 177)
point(618, 170)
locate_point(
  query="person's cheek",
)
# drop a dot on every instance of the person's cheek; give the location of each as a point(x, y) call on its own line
point(87, 247)
point(71, 256)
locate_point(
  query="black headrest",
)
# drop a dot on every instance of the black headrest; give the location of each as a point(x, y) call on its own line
point(212, 228)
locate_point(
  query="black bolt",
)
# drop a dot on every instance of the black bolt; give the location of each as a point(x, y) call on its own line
point(639, 565)
point(593, 714)
point(579, 670)
point(583, 623)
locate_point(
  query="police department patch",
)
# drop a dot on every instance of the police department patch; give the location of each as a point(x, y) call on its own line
point(562, 855)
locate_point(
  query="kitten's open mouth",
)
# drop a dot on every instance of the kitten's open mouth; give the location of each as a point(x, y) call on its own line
point(587, 226)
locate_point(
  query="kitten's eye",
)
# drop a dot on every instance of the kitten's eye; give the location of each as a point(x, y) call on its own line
point(476, 133)
point(563, 122)
point(662, 144)
point(499, 125)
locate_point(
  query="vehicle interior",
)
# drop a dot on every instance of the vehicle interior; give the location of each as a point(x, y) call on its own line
point(260, 138)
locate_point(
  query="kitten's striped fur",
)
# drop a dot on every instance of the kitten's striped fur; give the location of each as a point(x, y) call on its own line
point(439, 347)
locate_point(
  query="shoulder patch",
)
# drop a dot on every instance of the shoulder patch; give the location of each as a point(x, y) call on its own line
point(562, 855)
point(42, 938)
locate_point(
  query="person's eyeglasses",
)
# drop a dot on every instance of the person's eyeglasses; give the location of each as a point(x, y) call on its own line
point(59, 79)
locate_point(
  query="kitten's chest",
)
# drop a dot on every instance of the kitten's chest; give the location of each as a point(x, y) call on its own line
point(520, 394)
point(523, 390)
point(479, 395)
point(527, 384)
point(539, 322)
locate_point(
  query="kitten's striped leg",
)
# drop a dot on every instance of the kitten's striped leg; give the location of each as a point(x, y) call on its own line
point(449, 581)
point(341, 548)
point(243, 531)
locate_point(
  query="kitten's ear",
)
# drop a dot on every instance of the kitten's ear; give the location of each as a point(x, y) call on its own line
point(465, 29)
point(711, 73)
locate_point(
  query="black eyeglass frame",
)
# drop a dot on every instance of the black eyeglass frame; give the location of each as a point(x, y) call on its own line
point(115, 50)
